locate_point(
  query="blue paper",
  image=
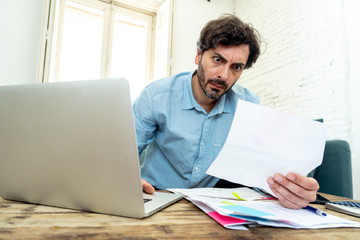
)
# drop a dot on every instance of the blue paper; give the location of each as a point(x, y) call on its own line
point(246, 211)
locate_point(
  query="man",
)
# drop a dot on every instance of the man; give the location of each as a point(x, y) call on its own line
point(184, 120)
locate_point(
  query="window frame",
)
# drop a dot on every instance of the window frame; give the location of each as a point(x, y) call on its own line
point(53, 25)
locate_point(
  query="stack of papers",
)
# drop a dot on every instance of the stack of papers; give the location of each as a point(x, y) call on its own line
point(236, 207)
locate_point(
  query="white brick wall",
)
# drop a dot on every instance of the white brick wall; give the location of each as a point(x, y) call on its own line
point(304, 67)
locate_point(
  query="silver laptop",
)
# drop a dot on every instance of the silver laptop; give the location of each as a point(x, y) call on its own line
point(73, 145)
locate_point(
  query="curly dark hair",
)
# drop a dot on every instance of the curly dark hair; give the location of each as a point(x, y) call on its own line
point(229, 30)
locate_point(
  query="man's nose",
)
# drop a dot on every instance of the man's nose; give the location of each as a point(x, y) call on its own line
point(223, 73)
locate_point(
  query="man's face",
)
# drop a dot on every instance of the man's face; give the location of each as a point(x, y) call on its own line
point(219, 68)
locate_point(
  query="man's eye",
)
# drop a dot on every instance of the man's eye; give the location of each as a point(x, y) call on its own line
point(237, 67)
point(217, 59)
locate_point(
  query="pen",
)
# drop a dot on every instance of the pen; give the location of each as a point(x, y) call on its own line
point(315, 210)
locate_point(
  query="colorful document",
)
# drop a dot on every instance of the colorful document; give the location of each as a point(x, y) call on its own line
point(233, 213)
point(229, 222)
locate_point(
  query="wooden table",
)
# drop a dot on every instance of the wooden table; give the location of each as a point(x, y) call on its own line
point(182, 220)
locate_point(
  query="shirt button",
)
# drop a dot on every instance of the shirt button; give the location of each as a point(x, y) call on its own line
point(202, 143)
point(196, 169)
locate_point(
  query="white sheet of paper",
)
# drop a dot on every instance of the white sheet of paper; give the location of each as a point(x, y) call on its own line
point(263, 141)
point(244, 193)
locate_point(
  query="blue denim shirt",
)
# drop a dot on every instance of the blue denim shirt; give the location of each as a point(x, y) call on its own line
point(182, 140)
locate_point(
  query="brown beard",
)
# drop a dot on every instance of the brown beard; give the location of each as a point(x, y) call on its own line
point(214, 93)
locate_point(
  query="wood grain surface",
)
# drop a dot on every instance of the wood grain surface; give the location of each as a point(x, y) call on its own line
point(182, 220)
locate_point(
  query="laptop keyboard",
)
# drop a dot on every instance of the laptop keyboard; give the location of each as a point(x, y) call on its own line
point(147, 200)
point(348, 203)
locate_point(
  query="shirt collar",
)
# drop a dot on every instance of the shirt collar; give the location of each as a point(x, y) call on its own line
point(189, 102)
point(188, 98)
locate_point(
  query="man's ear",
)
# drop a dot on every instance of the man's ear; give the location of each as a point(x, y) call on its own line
point(198, 56)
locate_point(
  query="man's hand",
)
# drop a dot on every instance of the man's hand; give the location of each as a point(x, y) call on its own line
point(294, 191)
point(147, 187)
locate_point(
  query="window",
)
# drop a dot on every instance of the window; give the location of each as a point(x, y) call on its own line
point(79, 46)
point(93, 39)
point(131, 48)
